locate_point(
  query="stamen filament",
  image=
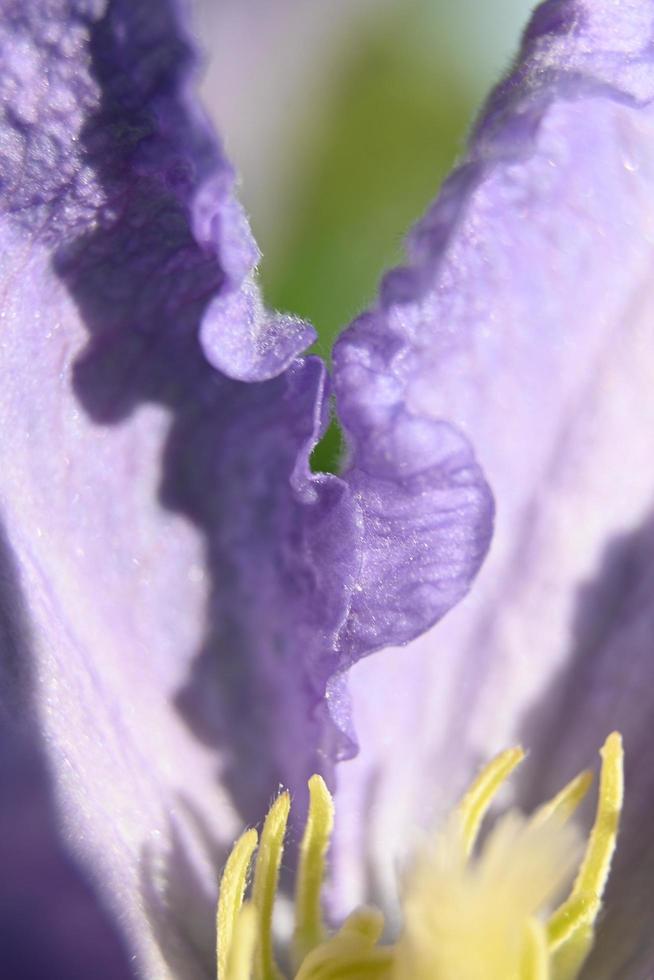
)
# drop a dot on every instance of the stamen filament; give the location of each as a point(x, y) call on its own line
point(345, 961)
point(563, 805)
point(536, 964)
point(569, 958)
point(232, 890)
point(241, 952)
point(474, 805)
point(266, 876)
point(366, 922)
point(351, 952)
point(309, 930)
point(583, 905)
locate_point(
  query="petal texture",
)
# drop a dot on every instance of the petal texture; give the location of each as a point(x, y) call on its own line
point(529, 299)
point(107, 272)
point(51, 922)
point(193, 592)
point(425, 508)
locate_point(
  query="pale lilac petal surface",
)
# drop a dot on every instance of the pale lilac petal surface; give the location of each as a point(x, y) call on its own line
point(530, 303)
point(425, 508)
point(193, 592)
point(99, 161)
point(51, 921)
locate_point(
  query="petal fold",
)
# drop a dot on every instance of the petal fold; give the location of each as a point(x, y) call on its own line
point(193, 591)
point(529, 305)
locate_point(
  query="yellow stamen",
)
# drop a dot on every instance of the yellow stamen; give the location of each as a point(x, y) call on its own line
point(309, 929)
point(266, 876)
point(563, 805)
point(569, 958)
point(583, 905)
point(241, 952)
point(481, 917)
point(232, 890)
point(367, 922)
point(475, 803)
point(332, 962)
point(536, 964)
point(351, 952)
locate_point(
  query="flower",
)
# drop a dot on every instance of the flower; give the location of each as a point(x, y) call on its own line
point(182, 597)
point(190, 590)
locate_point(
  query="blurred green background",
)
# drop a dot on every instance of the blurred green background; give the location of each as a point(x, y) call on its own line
point(388, 133)
point(343, 125)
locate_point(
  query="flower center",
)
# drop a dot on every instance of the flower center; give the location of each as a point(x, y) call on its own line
point(469, 913)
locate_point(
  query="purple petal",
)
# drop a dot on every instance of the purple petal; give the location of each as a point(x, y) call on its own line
point(115, 600)
point(51, 922)
point(283, 556)
point(608, 685)
point(529, 297)
point(183, 572)
point(426, 510)
point(246, 342)
point(104, 288)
